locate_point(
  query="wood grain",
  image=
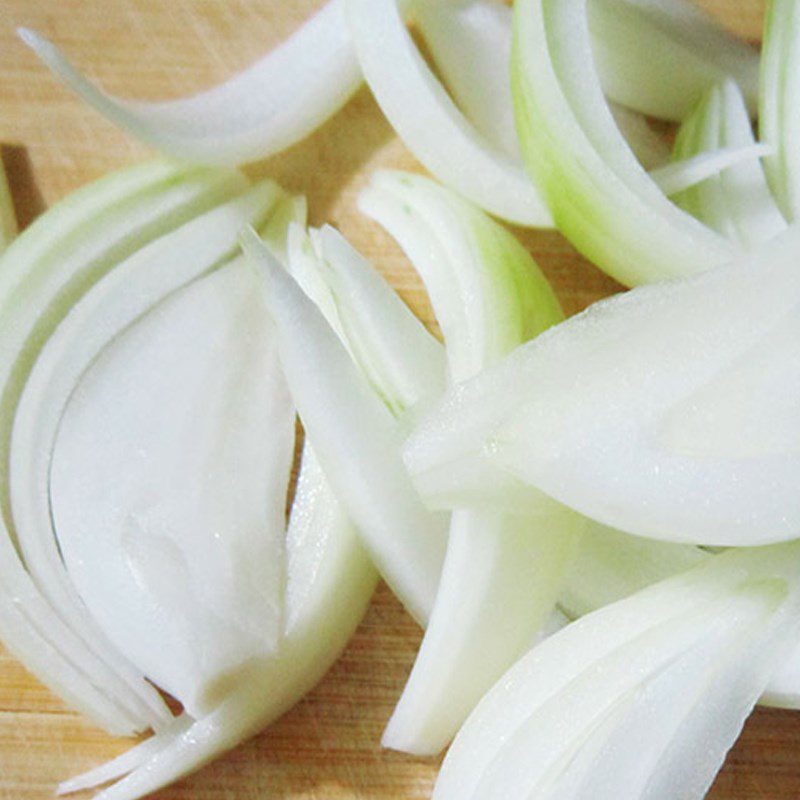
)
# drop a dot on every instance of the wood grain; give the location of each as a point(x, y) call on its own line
point(327, 747)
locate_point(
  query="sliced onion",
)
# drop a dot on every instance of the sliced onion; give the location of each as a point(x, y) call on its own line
point(737, 203)
point(502, 570)
point(659, 56)
point(357, 441)
point(168, 488)
point(429, 123)
point(403, 362)
point(326, 599)
point(654, 690)
point(43, 273)
point(276, 102)
point(665, 412)
point(779, 112)
point(679, 176)
point(600, 196)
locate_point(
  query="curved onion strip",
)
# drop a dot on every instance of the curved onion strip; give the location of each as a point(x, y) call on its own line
point(470, 43)
point(8, 217)
point(737, 203)
point(684, 660)
point(679, 176)
point(659, 56)
point(43, 273)
point(779, 111)
point(502, 571)
point(402, 361)
point(356, 439)
point(665, 412)
point(276, 102)
point(326, 599)
point(611, 565)
point(634, 43)
point(430, 124)
point(126, 293)
point(600, 196)
point(187, 584)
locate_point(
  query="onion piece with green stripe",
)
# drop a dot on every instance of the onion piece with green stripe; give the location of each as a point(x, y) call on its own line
point(779, 111)
point(273, 104)
point(600, 196)
point(655, 689)
point(737, 202)
point(44, 272)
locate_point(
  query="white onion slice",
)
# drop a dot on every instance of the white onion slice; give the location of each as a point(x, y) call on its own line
point(678, 176)
point(328, 590)
point(402, 361)
point(430, 124)
point(666, 412)
point(611, 565)
point(502, 570)
point(470, 43)
point(357, 441)
point(737, 203)
point(654, 689)
point(129, 290)
point(44, 272)
point(600, 196)
point(659, 56)
point(779, 111)
point(271, 105)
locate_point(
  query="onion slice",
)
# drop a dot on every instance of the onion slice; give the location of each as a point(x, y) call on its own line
point(356, 439)
point(779, 112)
point(273, 104)
point(502, 571)
point(403, 363)
point(430, 124)
point(168, 488)
point(737, 203)
point(655, 689)
point(665, 412)
point(333, 567)
point(659, 56)
point(44, 272)
point(600, 196)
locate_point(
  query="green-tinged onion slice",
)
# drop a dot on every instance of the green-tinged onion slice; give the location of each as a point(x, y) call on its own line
point(737, 202)
point(779, 111)
point(600, 196)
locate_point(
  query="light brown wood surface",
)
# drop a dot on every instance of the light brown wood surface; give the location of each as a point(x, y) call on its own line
point(328, 746)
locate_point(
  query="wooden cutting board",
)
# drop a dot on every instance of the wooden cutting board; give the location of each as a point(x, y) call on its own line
point(328, 746)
